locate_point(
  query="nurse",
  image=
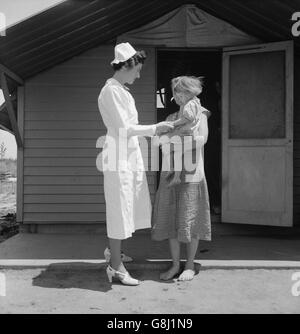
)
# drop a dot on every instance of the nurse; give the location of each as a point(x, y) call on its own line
point(128, 205)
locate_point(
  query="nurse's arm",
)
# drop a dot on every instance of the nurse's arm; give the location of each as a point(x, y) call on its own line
point(118, 115)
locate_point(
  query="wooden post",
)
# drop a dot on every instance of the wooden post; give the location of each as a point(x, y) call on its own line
point(11, 74)
point(20, 158)
point(10, 109)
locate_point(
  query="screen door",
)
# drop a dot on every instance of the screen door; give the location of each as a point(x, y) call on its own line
point(257, 134)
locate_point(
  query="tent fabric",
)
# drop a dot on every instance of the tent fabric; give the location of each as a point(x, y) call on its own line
point(188, 26)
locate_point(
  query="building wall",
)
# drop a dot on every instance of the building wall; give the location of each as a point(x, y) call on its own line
point(61, 126)
point(297, 143)
point(62, 123)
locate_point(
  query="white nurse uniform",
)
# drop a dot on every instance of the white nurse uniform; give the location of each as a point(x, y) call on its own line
point(128, 205)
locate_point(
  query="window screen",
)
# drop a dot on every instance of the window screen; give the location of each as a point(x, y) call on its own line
point(257, 95)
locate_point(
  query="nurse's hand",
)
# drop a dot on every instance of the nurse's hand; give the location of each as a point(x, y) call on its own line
point(163, 127)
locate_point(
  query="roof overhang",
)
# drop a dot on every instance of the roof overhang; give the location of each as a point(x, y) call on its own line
point(75, 26)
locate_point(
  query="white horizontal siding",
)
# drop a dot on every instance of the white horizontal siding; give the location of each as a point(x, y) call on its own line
point(67, 180)
point(61, 126)
point(64, 134)
point(73, 189)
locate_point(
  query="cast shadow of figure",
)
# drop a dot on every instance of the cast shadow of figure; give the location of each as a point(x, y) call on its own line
point(78, 275)
point(91, 276)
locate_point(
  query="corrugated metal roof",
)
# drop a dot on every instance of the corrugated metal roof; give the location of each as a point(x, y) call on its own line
point(75, 26)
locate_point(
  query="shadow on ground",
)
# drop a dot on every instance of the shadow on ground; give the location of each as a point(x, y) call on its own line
point(90, 276)
point(78, 275)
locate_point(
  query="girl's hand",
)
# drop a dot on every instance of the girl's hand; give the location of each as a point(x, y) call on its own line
point(163, 127)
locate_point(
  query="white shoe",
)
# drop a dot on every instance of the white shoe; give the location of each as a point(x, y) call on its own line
point(124, 278)
point(124, 257)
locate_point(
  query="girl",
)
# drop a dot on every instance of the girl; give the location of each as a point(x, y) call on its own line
point(185, 91)
point(181, 214)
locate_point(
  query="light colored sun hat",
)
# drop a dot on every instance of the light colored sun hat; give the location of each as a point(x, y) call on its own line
point(123, 52)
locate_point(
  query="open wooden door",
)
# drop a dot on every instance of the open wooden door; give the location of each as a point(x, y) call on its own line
point(257, 134)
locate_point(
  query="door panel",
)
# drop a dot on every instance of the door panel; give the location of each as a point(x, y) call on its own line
point(257, 191)
point(257, 133)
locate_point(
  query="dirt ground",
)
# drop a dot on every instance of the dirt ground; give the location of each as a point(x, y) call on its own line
point(54, 290)
point(7, 203)
point(7, 207)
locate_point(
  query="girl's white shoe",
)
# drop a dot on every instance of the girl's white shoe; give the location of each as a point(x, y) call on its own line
point(124, 257)
point(124, 278)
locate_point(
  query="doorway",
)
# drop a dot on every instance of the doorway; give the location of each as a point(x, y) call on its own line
point(175, 62)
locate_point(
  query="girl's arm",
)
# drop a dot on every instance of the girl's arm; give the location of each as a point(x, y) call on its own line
point(181, 121)
point(202, 134)
point(176, 123)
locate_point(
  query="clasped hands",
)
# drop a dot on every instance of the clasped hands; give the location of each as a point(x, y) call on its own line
point(167, 126)
point(163, 127)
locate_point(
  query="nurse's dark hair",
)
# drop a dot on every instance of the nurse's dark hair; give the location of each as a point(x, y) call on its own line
point(138, 58)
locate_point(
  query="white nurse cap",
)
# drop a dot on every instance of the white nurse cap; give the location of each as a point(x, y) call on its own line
point(123, 52)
